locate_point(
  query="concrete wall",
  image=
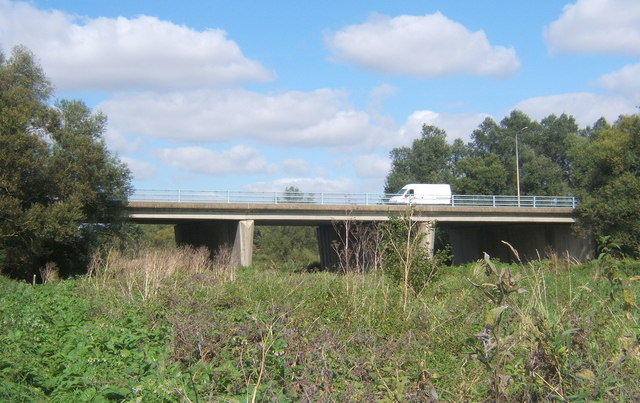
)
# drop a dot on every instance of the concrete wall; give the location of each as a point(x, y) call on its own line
point(216, 234)
point(531, 241)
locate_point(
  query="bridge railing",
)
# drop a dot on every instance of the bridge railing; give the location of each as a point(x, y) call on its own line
point(514, 201)
point(361, 199)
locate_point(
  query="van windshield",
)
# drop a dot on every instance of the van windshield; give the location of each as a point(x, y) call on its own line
point(401, 192)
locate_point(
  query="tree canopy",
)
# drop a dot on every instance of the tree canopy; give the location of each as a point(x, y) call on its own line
point(606, 175)
point(487, 164)
point(61, 190)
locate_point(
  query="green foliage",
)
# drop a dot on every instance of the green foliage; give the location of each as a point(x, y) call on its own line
point(487, 165)
point(607, 175)
point(275, 245)
point(406, 254)
point(324, 337)
point(551, 342)
point(481, 175)
point(296, 246)
point(427, 161)
point(155, 235)
point(61, 191)
point(54, 349)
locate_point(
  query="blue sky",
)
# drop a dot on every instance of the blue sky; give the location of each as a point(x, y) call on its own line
point(261, 95)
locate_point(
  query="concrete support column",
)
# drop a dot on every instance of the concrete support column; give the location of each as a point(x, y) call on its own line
point(238, 235)
point(327, 236)
point(243, 244)
point(429, 231)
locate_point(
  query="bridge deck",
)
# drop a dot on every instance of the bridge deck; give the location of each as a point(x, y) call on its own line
point(316, 214)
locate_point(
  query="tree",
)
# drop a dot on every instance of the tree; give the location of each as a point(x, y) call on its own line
point(543, 155)
point(541, 176)
point(557, 136)
point(487, 165)
point(480, 175)
point(606, 174)
point(427, 161)
point(61, 191)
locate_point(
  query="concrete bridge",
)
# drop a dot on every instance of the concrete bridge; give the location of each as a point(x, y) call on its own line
point(474, 224)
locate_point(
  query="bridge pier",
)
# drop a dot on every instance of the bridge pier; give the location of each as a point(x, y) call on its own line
point(219, 233)
point(429, 231)
point(531, 241)
point(327, 236)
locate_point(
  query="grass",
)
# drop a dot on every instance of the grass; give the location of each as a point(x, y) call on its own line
point(200, 332)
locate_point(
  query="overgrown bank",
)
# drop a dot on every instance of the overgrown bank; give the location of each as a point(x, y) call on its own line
point(199, 334)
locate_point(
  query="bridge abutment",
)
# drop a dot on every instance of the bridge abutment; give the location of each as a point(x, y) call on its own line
point(216, 234)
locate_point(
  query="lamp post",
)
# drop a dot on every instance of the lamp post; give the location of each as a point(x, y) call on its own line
point(518, 165)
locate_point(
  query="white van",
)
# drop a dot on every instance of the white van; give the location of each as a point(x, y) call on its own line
point(423, 193)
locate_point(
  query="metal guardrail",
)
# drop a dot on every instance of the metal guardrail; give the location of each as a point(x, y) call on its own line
point(514, 201)
point(361, 199)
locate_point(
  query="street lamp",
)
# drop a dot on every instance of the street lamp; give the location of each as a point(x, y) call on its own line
point(518, 165)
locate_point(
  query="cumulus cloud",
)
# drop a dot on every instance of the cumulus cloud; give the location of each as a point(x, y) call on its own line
point(296, 166)
point(139, 169)
point(317, 118)
point(118, 142)
point(237, 160)
point(123, 53)
point(587, 108)
point(597, 26)
point(457, 125)
point(371, 166)
point(317, 184)
point(625, 81)
point(421, 46)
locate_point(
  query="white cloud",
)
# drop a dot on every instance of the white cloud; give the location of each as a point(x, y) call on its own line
point(318, 118)
point(421, 46)
point(296, 166)
point(371, 166)
point(308, 185)
point(139, 169)
point(587, 108)
point(119, 143)
point(122, 53)
point(597, 26)
point(457, 125)
point(625, 81)
point(237, 160)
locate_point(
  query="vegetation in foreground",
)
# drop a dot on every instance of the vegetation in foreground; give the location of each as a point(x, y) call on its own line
point(174, 326)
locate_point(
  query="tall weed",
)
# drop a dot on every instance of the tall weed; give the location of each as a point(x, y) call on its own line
point(564, 339)
point(142, 273)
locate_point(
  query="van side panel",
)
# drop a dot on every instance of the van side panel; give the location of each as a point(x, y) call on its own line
point(423, 193)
